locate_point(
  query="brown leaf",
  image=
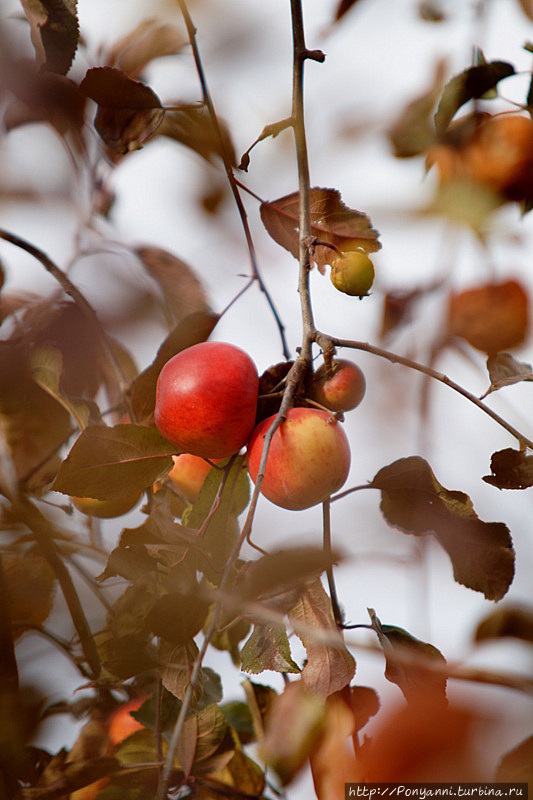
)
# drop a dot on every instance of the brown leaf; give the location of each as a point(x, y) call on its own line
point(267, 648)
point(192, 127)
point(504, 370)
point(511, 469)
point(149, 40)
point(510, 621)
point(183, 292)
point(414, 132)
point(329, 668)
point(332, 223)
point(491, 317)
point(365, 704)
point(54, 32)
point(129, 112)
point(399, 306)
point(414, 501)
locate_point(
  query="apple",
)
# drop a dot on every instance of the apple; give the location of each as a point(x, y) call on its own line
point(122, 724)
point(106, 509)
point(206, 399)
point(309, 458)
point(188, 474)
point(340, 388)
point(352, 273)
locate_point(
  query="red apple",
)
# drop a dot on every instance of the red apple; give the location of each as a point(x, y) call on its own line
point(206, 399)
point(341, 388)
point(188, 474)
point(309, 458)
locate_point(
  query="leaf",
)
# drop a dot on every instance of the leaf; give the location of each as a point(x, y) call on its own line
point(332, 761)
point(195, 328)
point(527, 8)
point(365, 704)
point(511, 469)
point(54, 32)
point(409, 662)
point(504, 370)
point(343, 7)
point(129, 112)
point(106, 463)
point(211, 727)
point(146, 42)
point(30, 584)
point(244, 775)
point(192, 127)
point(511, 621)
point(329, 668)
point(470, 84)
point(183, 292)
point(332, 223)
point(46, 365)
point(413, 132)
point(176, 672)
point(267, 648)
point(517, 764)
point(413, 501)
point(178, 616)
point(399, 306)
point(491, 317)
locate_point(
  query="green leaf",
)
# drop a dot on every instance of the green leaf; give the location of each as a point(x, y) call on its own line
point(511, 469)
point(511, 621)
point(470, 84)
point(194, 329)
point(409, 662)
point(54, 32)
point(413, 501)
point(107, 463)
point(267, 648)
point(229, 638)
point(329, 667)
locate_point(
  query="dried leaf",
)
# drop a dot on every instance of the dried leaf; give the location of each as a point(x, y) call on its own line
point(365, 704)
point(194, 329)
point(471, 84)
point(267, 648)
point(54, 32)
point(414, 132)
point(509, 621)
point(328, 669)
point(511, 469)
point(107, 463)
point(192, 127)
point(413, 501)
point(409, 662)
point(517, 765)
point(30, 583)
point(504, 370)
point(491, 317)
point(183, 292)
point(148, 41)
point(129, 112)
point(332, 223)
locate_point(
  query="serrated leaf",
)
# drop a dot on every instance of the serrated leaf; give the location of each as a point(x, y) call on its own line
point(408, 662)
point(267, 648)
point(504, 370)
point(470, 84)
point(195, 328)
point(129, 112)
point(511, 469)
point(107, 463)
point(30, 584)
point(517, 765)
point(182, 290)
point(332, 222)
point(147, 41)
point(328, 668)
point(192, 127)
point(510, 621)
point(413, 501)
point(54, 32)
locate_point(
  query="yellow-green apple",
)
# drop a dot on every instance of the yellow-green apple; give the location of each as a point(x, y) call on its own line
point(206, 399)
point(309, 458)
point(352, 273)
point(106, 509)
point(339, 388)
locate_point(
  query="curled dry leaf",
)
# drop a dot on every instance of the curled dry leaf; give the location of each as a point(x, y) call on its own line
point(148, 41)
point(54, 32)
point(491, 317)
point(335, 226)
point(511, 469)
point(504, 370)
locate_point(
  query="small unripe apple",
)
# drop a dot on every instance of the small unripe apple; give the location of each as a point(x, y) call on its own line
point(188, 474)
point(106, 509)
point(352, 273)
point(339, 388)
point(206, 399)
point(309, 458)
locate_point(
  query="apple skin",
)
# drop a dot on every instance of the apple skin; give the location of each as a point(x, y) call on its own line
point(341, 388)
point(352, 273)
point(188, 474)
point(206, 399)
point(106, 509)
point(309, 458)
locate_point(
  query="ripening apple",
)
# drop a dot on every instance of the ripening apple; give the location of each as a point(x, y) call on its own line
point(309, 458)
point(188, 474)
point(106, 509)
point(206, 399)
point(339, 388)
point(352, 273)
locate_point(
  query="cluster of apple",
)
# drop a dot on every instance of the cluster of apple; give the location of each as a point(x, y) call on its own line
point(206, 405)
